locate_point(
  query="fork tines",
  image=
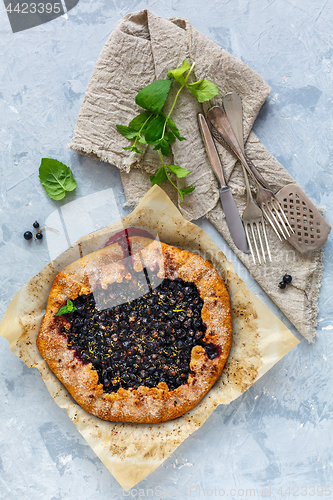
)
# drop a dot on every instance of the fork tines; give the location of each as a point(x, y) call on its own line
point(254, 231)
point(277, 218)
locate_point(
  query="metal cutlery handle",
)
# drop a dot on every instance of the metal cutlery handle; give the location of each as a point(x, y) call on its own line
point(220, 121)
point(233, 219)
point(233, 108)
point(212, 153)
point(257, 174)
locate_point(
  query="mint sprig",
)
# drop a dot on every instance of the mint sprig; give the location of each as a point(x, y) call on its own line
point(162, 175)
point(68, 308)
point(154, 128)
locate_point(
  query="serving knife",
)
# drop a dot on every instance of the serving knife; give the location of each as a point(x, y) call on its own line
point(232, 216)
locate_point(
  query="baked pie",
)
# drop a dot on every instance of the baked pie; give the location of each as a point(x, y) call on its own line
point(149, 333)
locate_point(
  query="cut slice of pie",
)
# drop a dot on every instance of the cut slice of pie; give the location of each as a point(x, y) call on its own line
point(150, 331)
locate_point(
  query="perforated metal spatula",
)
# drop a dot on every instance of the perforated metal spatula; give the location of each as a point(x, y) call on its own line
point(310, 227)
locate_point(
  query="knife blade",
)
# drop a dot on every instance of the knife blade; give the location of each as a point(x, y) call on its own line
point(233, 219)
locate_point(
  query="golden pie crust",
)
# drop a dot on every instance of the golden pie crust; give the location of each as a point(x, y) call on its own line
point(105, 266)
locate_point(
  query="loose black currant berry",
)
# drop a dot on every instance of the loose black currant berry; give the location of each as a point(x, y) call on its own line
point(39, 236)
point(27, 235)
point(36, 224)
point(282, 285)
point(287, 278)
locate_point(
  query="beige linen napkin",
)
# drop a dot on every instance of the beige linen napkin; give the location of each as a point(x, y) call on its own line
point(141, 49)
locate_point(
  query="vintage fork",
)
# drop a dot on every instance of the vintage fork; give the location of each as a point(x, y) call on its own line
point(265, 196)
point(253, 219)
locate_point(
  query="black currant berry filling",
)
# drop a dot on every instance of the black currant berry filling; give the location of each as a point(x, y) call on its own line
point(145, 340)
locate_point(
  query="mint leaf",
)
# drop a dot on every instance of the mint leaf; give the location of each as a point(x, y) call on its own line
point(136, 150)
point(127, 132)
point(169, 137)
point(165, 148)
point(142, 139)
point(175, 130)
point(185, 191)
point(68, 308)
point(133, 148)
point(178, 73)
point(203, 90)
point(163, 145)
point(140, 122)
point(56, 178)
point(155, 129)
point(153, 96)
point(179, 171)
point(160, 176)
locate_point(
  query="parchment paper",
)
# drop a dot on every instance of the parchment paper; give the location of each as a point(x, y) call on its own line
point(132, 451)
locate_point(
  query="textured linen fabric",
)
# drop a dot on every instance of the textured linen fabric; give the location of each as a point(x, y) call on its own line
point(141, 49)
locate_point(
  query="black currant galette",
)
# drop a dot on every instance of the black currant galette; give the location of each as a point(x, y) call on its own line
point(146, 334)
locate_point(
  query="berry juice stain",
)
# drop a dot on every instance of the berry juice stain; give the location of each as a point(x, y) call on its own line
point(140, 341)
point(122, 238)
